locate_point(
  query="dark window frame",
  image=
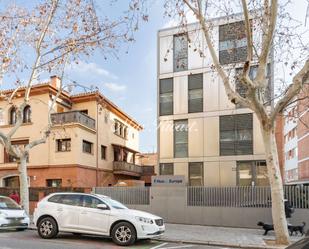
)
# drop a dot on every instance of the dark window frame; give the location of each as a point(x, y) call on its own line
point(191, 165)
point(103, 152)
point(179, 144)
point(85, 142)
point(49, 182)
point(161, 165)
point(167, 94)
point(254, 164)
point(66, 142)
point(234, 125)
point(195, 105)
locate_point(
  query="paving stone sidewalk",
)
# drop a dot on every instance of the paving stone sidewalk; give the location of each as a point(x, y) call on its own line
point(221, 236)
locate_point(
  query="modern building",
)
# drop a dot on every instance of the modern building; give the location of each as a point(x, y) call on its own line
point(92, 142)
point(202, 135)
point(296, 140)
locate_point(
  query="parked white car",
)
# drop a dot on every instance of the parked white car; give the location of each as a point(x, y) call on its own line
point(12, 216)
point(94, 214)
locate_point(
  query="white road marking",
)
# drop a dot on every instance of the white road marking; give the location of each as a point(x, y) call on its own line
point(176, 247)
point(159, 246)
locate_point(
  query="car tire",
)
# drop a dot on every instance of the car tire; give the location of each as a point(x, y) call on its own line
point(47, 228)
point(124, 234)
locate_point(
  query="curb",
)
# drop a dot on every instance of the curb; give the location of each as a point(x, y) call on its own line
point(215, 243)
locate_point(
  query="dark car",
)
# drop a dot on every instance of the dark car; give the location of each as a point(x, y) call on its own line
point(301, 244)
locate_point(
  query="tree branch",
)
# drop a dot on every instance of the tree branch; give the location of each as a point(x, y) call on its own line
point(301, 78)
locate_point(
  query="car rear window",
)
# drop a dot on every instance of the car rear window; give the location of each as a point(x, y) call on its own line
point(67, 199)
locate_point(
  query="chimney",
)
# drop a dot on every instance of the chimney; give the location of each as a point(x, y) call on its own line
point(55, 81)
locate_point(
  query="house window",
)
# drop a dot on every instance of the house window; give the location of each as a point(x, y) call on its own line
point(232, 43)
point(27, 114)
point(87, 147)
point(63, 144)
point(236, 134)
point(180, 52)
point(19, 143)
point(180, 138)
point(166, 169)
point(252, 173)
point(196, 174)
point(103, 152)
point(12, 115)
point(195, 93)
point(120, 129)
point(166, 96)
point(242, 89)
point(54, 183)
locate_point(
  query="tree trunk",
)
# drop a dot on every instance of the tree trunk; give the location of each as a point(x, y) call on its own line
point(23, 181)
point(275, 180)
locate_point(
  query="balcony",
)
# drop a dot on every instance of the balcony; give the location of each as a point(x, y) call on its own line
point(125, 168)
point(73, 117)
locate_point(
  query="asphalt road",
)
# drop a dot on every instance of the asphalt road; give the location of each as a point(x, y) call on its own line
point(30, 240)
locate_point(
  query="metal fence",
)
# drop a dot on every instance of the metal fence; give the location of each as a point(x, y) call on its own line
point(240, 197)
point(258, 197)
point(127, 195)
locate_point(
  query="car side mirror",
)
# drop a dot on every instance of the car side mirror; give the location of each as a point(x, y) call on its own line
point(102, 206)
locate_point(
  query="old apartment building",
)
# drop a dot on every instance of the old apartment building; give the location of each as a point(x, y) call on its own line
point(296, 141)
point(202, 135)
point(92, 143)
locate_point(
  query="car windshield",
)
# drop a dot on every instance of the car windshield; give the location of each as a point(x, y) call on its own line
point(114, 203)
point(8, 203)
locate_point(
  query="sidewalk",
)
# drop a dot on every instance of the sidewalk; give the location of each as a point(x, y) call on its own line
point(219, 236)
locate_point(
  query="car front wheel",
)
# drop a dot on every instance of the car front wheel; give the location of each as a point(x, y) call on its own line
point(47, 228)
point(124, 234)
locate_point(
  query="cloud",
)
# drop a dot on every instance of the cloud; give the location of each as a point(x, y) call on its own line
point(91, 68)
point(175, 21)
point(114, 87)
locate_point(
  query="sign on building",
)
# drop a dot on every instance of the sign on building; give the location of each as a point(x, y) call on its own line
point(168, 180)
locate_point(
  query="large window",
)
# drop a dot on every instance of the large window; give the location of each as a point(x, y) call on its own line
point(236, 134)
point(195, 93)
point(63, 145)
point(166, 169)
point(27, 114)
point(232, 43)
point(180, 52)
point(166, 97)
point(252, 173)
point(87, 147)
point(196, 174)
point(242, 89)
point(180, 138)
point(55, 183)
point(12, 115)
point(103, 152)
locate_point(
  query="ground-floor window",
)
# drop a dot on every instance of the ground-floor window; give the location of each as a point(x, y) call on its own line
point(252, 173)
point(166, 169)
point(11, 182)
point(54, 183)
point(196, 174)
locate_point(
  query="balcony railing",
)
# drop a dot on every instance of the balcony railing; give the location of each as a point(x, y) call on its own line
point(147, 170)
point(125, 168)
point(73, 117)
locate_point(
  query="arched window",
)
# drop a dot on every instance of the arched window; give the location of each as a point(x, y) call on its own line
point(27, 114)
point(125, 132)
point(12, 115)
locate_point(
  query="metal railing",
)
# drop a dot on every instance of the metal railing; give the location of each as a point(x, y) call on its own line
point(127, 195)
point(127, 167)
point(73, 117)
point(257, 197)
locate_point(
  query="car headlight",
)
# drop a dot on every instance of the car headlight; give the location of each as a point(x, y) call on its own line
point(144, 220)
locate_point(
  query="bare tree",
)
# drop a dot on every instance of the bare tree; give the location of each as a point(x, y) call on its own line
point(275, 35)
point(46, 38)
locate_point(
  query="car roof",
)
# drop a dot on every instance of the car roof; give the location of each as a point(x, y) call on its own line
point(78, 193)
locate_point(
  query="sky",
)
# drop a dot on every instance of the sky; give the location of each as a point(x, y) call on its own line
point(130, 80)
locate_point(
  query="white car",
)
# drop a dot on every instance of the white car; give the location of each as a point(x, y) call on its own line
point(12, 216)
point(94, 214)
